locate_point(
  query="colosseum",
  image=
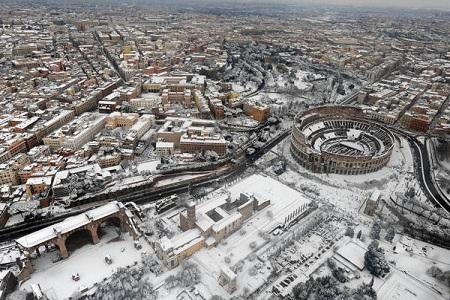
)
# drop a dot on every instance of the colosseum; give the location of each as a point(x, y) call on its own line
point(338, 139)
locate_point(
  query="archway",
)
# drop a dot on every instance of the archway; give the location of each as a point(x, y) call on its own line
point(111, 226)
point(78, 239)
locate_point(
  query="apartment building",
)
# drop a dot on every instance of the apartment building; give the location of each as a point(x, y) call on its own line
point(77, 133)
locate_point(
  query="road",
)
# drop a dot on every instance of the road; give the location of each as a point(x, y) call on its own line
point(423, 171)
point(259, 89)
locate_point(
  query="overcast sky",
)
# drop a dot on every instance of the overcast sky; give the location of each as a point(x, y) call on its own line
point(405, 3)
point(397, 3)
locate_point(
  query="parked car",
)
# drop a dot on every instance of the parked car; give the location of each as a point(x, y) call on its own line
point(108, 259)
point(137, 245)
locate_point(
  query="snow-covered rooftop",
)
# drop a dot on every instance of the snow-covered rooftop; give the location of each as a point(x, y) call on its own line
point(354, 253)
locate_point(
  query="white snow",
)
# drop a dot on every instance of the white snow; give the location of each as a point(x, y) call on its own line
point(400, 286)
point(69, 224)
point(88, 261)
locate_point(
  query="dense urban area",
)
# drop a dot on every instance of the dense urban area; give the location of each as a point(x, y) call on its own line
point(211, 151)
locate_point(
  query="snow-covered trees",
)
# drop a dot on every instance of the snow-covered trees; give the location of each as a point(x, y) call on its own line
point(327, 288)
point(189, 275)
point(172, 281)
point(238, 266)
point(441, 276)
point(126, 284)
point(376, 229)
point(337, 272)
point(374, 260)
point(390, 234)
point(364, 292)
point(149, 264)
point(350, 232)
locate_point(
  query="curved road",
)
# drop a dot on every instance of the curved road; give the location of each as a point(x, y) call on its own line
point(423, 171)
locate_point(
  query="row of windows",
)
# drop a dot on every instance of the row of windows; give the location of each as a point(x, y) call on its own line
point(335, 167)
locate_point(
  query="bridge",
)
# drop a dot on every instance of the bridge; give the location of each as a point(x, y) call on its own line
point(90, 221)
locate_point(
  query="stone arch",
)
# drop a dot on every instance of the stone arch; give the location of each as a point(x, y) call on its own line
point(76, 239)
point(113, 220)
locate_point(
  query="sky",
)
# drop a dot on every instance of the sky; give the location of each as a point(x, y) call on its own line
point(387, 3)
point(401, 3)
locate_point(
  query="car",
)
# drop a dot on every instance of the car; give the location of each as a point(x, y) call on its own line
point(276, 291)
point(108, 259)
point(194, 291)
point(75, 277)
point(137, 245)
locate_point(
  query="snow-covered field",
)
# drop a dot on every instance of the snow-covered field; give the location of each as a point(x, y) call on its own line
point(55, 279)
point(400, 286)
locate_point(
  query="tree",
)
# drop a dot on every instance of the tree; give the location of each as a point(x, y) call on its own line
point(189, 274)
point(350, 232)
point(327, 288)
point(336, 271)
point(375, 261)
point(126, 284)
point(440, 275)
point(434, 271)
point(365, 292)
point(320, 288)
point(375, 231)
point(390, 234)
point(172, 281)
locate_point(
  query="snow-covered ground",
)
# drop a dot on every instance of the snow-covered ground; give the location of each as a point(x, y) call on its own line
point(408, 278)
point(148, 165)
point(401, 286)
point(55, 279)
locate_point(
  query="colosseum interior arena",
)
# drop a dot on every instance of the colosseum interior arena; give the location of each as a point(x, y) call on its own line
point(338, 139)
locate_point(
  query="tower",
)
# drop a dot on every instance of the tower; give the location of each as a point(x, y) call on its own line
point(191, 213)
point(188, 218)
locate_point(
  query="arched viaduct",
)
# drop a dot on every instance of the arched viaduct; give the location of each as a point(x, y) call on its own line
point(91, 220)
